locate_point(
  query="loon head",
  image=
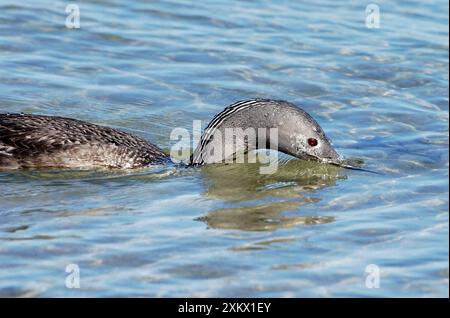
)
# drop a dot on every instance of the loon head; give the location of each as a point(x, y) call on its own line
point(298, 134)
point(302, 137)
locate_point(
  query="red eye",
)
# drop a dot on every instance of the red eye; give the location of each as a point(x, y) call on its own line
point(312, 142)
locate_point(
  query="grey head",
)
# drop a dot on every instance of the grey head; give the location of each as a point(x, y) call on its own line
point(298, 134)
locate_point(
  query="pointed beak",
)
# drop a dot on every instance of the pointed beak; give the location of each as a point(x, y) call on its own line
point(331, 155)
point(346, 165)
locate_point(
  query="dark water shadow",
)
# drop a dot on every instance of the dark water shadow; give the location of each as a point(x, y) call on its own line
point(98, 174)
point(259, 201)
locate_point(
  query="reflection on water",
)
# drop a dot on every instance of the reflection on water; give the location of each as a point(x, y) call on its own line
point(243, 182)
point(294, 180)
point(147, 173)
point(266, 217)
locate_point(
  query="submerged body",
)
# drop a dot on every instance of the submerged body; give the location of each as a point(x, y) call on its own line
point(35, 141)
